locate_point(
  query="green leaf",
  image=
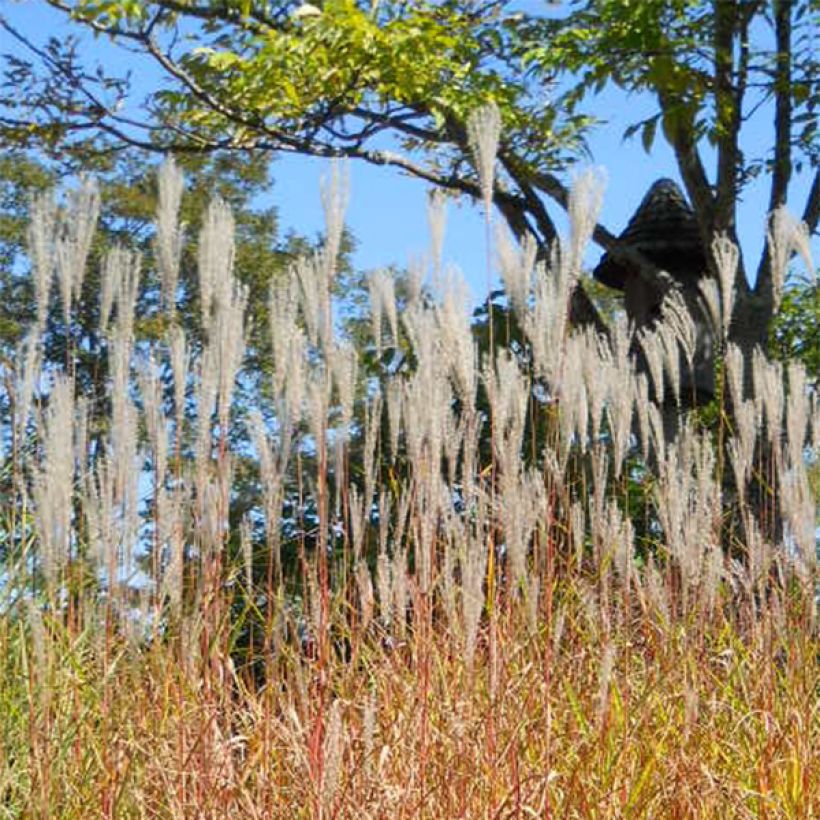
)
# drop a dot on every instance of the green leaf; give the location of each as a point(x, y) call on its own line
point(648, 133)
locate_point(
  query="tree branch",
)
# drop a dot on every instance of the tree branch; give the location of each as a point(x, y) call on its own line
point(811, 213)
point(781, 174)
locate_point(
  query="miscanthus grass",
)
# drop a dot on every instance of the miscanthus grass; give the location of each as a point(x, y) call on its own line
point(404, 624)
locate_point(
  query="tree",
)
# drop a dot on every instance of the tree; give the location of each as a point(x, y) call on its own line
point(393, 83)
point(710, 65)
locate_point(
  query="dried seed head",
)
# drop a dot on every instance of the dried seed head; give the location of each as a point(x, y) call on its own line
point(786, 236)
point(216, 259)
point(41, 247)
point(517, 263)
point(727, 258)
point(169, 236)
point(483, 134)
point(437, 220)
point(335, 193)
point(585, 200)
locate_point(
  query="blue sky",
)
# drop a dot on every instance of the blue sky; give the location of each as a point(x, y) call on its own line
point(387, 212)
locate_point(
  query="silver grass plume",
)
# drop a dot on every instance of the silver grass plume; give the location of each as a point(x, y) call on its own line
point(29, 352)
point(172, 534)
point(711, 305)
point(671, 358)
point(169, 236)
point(437, 221)
point(41, 247)
point(398, 569)
point(727, 259)
point(522, 500)
point(394, 408)
point(120, 288)
point(376, 311)
point(797, 412)
point(283, 307)
point(383, 303)
point(508, 394)
point(272, 468)
point(473, 571)
point(215, 259)
point(415, 281)
point(456, 337)
point(734, 367)
point(334, 192)
point(206, 385)
point(574, 416)
point(641, 394)
point(597, 362)
point(229, 339)
point(585, 200)
point(372, 431)
point(99, 501)
point(799, 510)
point(786, 235)
point(357, 511)
point(619, 534)
point(82, 410)
point(767, 377)
point(620, 398)
point(742, 444)
point(296, 379)
point(74, 244)
point(151, 389)
point(180, 359)
point(453, 535)
point(315, 301)
point(483, 134)
point(678, 319)
point(656, 426)
point(53, 483)
point(516, 263)
point(344, 367)
point(653, 349)
point(383, 576)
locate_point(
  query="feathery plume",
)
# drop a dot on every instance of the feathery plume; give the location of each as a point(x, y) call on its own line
point(169, 236)
point(786, 235)
point(734, 366)
point(180, 359)
point(79, 225)
point(437, 220)
point(215, 259)
point(727, 259)
point(41, 238)
point(768, 390)
point(335, 193)
point(53, 484)
point(797, 411)
point(483, 134)
point(586, 197)
point(516, 262)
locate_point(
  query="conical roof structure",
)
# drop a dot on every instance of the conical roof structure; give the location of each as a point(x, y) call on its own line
point(665, 231)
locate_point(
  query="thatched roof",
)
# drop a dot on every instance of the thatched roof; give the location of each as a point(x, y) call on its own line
point(665, 231)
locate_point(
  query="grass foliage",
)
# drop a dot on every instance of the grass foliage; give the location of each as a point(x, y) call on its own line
point(509, 585)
